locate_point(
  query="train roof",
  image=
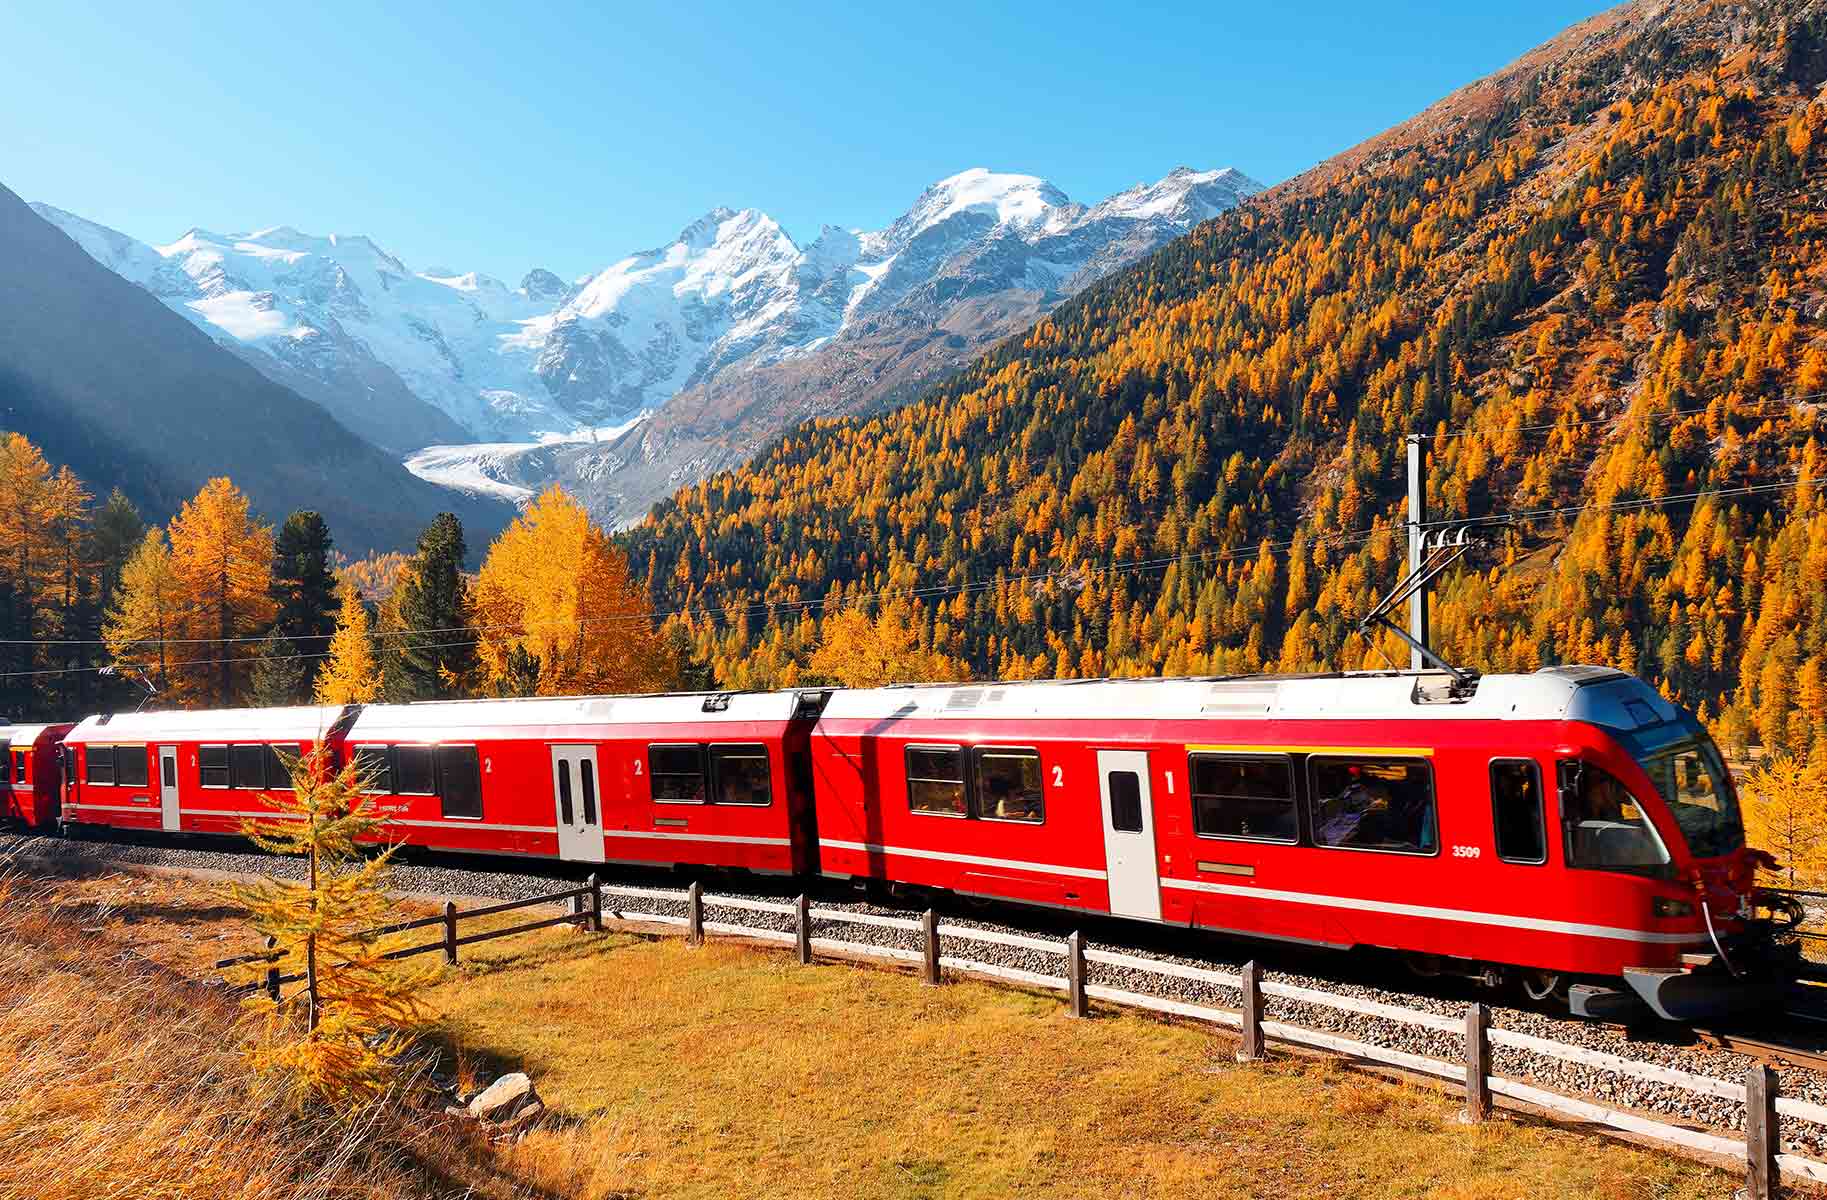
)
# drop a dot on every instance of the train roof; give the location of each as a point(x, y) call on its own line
point(301, 724)
point(25, 733)
point(384, 721)
point(1600, 695)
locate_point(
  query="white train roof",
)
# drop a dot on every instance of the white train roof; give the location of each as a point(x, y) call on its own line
point(1596, 694)
point(428, 721)
point(20, 735)
point(302, 724)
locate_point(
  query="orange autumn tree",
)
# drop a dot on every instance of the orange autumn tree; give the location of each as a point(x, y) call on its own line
point(350, 675)
point(556, 589)
point(223, 560)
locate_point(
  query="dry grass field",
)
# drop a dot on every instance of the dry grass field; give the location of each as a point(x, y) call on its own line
point(726, 1071)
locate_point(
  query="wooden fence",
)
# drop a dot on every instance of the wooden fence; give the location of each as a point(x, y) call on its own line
point(1760, 1150)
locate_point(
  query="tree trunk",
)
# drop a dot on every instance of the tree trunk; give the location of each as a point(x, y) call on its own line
point(311, 950)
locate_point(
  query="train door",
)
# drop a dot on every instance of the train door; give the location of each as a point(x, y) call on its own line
point(168, 788)
point(1129, 834)
point(575, 795)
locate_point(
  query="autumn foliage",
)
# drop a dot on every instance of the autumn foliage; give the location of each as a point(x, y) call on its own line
point(556, 588)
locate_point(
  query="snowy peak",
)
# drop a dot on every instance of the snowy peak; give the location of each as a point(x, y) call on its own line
point(356, 328)
point(1183, 195)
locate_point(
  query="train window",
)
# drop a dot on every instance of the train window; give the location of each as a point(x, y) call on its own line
point(168, 770)
point(98, 763)
point(586, 777)
point(6, 762)
point(677, 773)
point(374, 767)
point(1516, 811)
point(247, 767)
point(935, 780)
point(740, 775)
point(460, 781)
point(212, 766)
point(1125, 801)
point(279, 760)
point(412, 772)
point(567, 815)
point(130, 766)
point(1606, 829)
point(1373, 804)
point(1009, 784)
point(1243, 797)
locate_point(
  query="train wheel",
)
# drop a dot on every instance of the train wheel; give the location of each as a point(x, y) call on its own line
point(1542, 986)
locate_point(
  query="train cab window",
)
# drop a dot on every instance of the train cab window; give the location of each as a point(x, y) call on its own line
point(677, 773)
point(1516, 811)
point(374, 767)
point(412, 771)
point(1237, 797)
point(1604, 827)
point(1125, 801)
point(740, 775)
point(279, 761)
point(1009, 784)
point(247, 767)
point(98, 764)
point(6, 762)
point(130, 766)
point(935, 780)
point(212, 766)
point(460, 781)
point(1378, 803)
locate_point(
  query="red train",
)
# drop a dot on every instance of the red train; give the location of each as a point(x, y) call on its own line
point(30, 778)
point(1557, 828)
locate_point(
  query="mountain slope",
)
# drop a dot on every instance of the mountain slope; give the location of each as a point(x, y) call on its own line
point(1600, 277)
point(110, 382)
point(715, 331)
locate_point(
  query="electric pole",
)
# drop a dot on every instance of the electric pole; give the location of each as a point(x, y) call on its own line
point(1417, 548)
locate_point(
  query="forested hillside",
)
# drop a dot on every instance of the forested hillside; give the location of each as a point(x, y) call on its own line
point(1599, 278)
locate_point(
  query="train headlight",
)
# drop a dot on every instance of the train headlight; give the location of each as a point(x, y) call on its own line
point(1662, 906)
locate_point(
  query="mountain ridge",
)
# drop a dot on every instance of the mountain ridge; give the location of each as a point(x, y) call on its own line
point(348, 324)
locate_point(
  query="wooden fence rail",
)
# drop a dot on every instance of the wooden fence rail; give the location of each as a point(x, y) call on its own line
point(1760, 1150)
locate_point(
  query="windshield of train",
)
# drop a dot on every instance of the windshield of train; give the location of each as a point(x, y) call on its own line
point(1692, 779)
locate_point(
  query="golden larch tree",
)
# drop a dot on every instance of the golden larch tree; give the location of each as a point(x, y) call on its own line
point(149, 611)
point(351, 675)
point(555, 587)
point(1785, 813)
point(858, 651)
point(223, 559)
point(341, 1037)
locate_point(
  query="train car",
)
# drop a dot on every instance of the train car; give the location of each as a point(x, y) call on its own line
point(716, 780)
point(1558, 828)
point(189, 772)
point(30, 774)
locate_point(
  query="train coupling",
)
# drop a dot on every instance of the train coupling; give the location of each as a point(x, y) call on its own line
point(1748, 977)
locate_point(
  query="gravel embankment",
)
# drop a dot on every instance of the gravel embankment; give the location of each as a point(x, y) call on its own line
point(1343, 975)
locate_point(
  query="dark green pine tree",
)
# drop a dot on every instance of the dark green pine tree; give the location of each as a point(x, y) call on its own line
point(304, 587)
point(281, 675)
point(521, 676)
point(435, 655)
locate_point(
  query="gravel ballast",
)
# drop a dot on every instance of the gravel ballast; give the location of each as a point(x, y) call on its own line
point(1340, 975)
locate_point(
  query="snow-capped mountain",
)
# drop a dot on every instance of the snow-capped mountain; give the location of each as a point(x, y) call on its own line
point(705, 331)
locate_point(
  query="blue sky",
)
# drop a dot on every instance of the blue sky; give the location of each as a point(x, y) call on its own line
point(501, 137)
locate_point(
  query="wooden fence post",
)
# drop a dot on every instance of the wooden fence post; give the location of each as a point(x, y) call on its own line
point(1477, 1063)
point(929, 935)
point(596, 903)
point(272, 972)
point(1249, 1004)
point(694, 928)
point(1075, 975)
point(1762, 1176)
point(802, 929)
point(450, 932)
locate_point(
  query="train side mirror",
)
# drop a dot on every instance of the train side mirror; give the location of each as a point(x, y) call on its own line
point(1569, 773)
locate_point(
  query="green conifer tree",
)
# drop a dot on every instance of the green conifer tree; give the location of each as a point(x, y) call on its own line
point(435, 655)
